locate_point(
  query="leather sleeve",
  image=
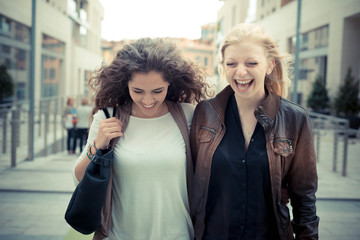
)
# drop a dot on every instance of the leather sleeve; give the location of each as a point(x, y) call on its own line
point(194, 144)
point(303, 182)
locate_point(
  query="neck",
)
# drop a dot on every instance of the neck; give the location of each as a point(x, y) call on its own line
point(247, 105)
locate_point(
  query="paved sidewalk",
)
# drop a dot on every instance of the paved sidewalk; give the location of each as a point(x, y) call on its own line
point(50, 174)
point(43, 188)
point(34, 197)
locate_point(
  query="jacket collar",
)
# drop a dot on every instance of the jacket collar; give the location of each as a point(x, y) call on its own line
point(265, 113)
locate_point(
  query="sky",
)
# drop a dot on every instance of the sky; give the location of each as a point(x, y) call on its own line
point(132, 19)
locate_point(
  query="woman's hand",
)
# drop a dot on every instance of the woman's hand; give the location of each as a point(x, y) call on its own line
point(108, 129)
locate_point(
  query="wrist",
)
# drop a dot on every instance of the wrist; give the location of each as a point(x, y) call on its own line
point(91, 151)
point(93, 148)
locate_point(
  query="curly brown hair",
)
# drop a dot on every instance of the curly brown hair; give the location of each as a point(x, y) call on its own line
point(110, 83)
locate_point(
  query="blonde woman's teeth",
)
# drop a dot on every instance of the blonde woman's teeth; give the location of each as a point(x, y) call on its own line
point(243, 82)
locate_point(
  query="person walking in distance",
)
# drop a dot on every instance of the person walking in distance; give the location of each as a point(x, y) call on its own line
point(83, 113)
point(69, 115)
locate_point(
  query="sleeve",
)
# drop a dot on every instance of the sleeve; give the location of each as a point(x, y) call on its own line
point(303, 185)
point(193, 134)
point(94, 127)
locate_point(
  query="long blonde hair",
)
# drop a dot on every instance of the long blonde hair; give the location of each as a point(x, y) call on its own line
point(278, 81)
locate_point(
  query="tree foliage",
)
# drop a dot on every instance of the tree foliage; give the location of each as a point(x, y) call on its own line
point(347, 100)
point(6, 83)
point(318, 99)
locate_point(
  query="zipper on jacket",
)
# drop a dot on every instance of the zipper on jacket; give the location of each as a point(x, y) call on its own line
point(210, 130)
point(285, 140)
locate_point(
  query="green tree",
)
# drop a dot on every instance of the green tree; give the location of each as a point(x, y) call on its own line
point(347, 101)
point(318, 99)
point(6, 83)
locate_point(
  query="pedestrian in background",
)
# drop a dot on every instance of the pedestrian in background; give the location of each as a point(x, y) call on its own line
point(152, 88)
point(69, 115)
point(253, 149)
point(83, 113)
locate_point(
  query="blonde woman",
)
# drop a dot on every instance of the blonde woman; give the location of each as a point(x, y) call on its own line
point(253, 149)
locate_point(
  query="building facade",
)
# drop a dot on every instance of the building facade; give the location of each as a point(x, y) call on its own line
point(67, 45)
point(330, 34)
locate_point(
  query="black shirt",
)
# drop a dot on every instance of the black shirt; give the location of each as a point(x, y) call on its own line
point(239, 195)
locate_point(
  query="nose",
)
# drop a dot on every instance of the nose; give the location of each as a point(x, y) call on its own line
point(148, 99)
point(241, 70)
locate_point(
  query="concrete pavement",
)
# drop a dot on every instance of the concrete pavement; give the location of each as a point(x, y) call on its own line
point(35, 194)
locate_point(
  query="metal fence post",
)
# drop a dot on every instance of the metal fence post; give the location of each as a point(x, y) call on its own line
point(30, 136)
point(14, 135)
point(46, 128)
point(4, 130)
point(335, 148)
point(55, 110)
point(62, 100)
point(41, 106)
point(346, 138)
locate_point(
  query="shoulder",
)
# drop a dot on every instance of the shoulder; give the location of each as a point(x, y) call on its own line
point(100, 114)
point(289, 106)
point(293, 112)
point(188, 109)
point(204, 107)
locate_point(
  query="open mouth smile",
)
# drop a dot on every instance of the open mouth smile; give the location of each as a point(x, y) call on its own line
point(244, 85)
point(149, 107)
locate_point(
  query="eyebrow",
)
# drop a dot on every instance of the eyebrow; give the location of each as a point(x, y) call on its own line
point(156, 89)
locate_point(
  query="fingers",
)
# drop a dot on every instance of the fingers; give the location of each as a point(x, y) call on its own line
point(108, 129)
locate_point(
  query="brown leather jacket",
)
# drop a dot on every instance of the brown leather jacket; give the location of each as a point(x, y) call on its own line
point(291, 157)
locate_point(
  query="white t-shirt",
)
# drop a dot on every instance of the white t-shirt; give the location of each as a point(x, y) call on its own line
point(150, 200)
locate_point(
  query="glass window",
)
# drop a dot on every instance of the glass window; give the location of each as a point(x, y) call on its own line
point(22, 33)
point(17, 63)
point(317, 38)
point(20, 58)
point(5, 25)
point(14, 30)
point(51, 69)
point(52, 44)
point(198, 59)
point(305, 41)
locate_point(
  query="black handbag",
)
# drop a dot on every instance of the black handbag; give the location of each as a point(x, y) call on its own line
point(84, 210)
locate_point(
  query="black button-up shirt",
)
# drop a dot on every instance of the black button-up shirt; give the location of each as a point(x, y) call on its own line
point(239, 195)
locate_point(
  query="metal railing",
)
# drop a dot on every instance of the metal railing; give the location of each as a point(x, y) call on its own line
point(339, 128)
point(15, 122)
point(49, 133)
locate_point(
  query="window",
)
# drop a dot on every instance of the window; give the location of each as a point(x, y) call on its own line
point(198, 59)
point(52, 44)
point(51, 68)
point(304, 41)
point(14, 30)
point(5, 25)
point(51, 64)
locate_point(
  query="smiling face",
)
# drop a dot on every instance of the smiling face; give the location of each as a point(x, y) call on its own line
point(148, 92)
point(245, 66)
